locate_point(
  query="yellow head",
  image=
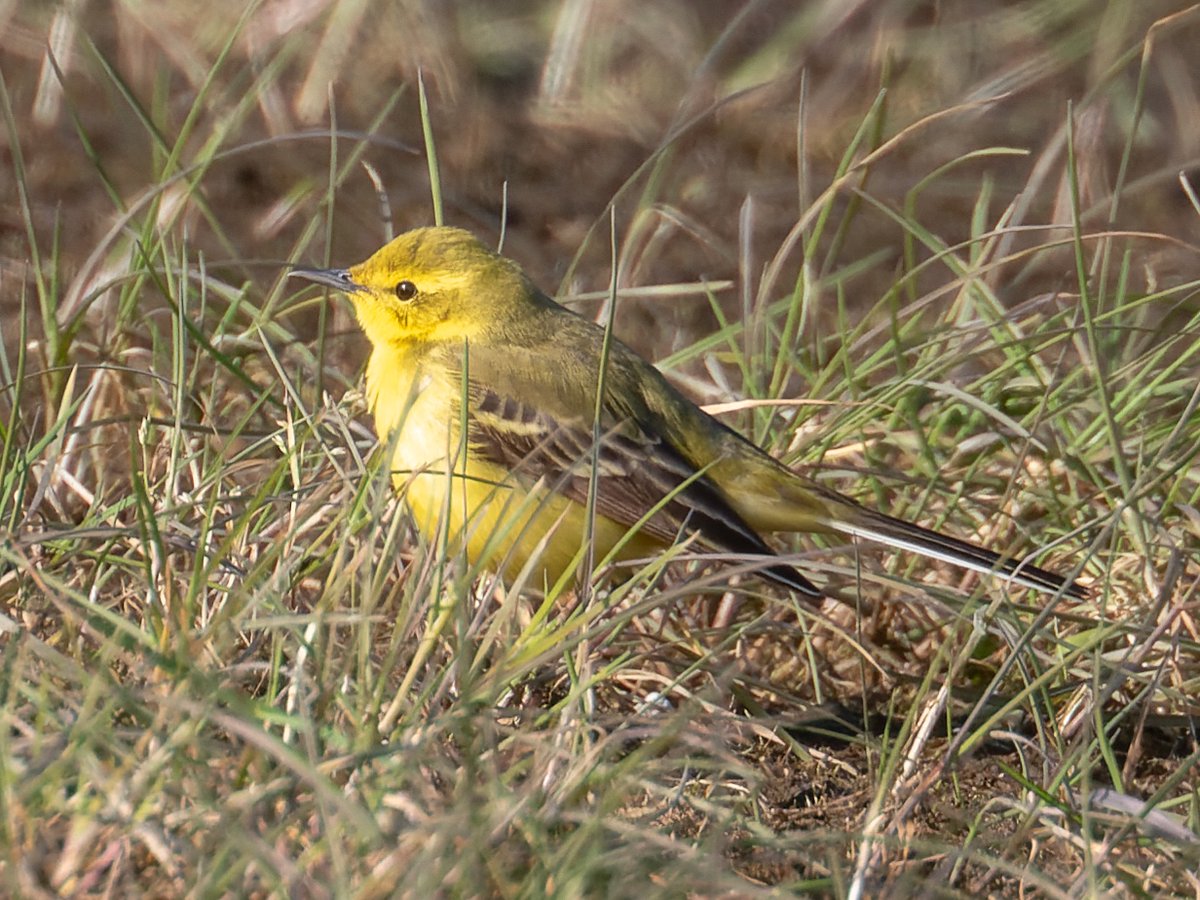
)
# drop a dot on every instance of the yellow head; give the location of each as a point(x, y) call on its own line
point(432, 284)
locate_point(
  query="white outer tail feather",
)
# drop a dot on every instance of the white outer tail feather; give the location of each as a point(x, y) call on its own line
point(1005, 570)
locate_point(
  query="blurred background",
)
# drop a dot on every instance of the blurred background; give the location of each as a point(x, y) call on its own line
point(707, 128)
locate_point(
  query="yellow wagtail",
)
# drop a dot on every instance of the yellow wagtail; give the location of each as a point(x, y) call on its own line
point(453, 324)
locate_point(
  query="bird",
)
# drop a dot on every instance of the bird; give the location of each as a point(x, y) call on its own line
point(519, 430)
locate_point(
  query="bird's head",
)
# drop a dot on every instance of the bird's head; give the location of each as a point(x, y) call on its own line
point(431, 284)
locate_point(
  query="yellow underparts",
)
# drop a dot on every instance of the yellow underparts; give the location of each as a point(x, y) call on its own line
point(472, 504)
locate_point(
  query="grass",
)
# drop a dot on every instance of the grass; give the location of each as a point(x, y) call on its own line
point(229, 665)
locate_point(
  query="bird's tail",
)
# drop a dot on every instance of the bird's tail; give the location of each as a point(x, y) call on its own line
point(847, 517)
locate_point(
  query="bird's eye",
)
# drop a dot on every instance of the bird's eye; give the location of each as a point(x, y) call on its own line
point(406, 290)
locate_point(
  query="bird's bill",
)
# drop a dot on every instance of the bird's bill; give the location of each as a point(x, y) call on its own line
point(339, 279)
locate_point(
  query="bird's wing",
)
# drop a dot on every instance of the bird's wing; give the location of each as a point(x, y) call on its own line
point(640, 476)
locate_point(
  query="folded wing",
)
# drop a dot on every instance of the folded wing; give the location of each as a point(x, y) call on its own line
point(640, 476)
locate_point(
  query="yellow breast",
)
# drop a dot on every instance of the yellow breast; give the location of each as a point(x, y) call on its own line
point(465, 504)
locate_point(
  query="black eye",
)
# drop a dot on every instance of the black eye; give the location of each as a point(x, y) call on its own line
point(405, 290)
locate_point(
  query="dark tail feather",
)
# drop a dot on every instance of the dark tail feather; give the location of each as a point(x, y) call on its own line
point(789, 577)
point(903, 535)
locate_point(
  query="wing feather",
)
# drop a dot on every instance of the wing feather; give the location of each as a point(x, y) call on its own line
point(640, 475)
